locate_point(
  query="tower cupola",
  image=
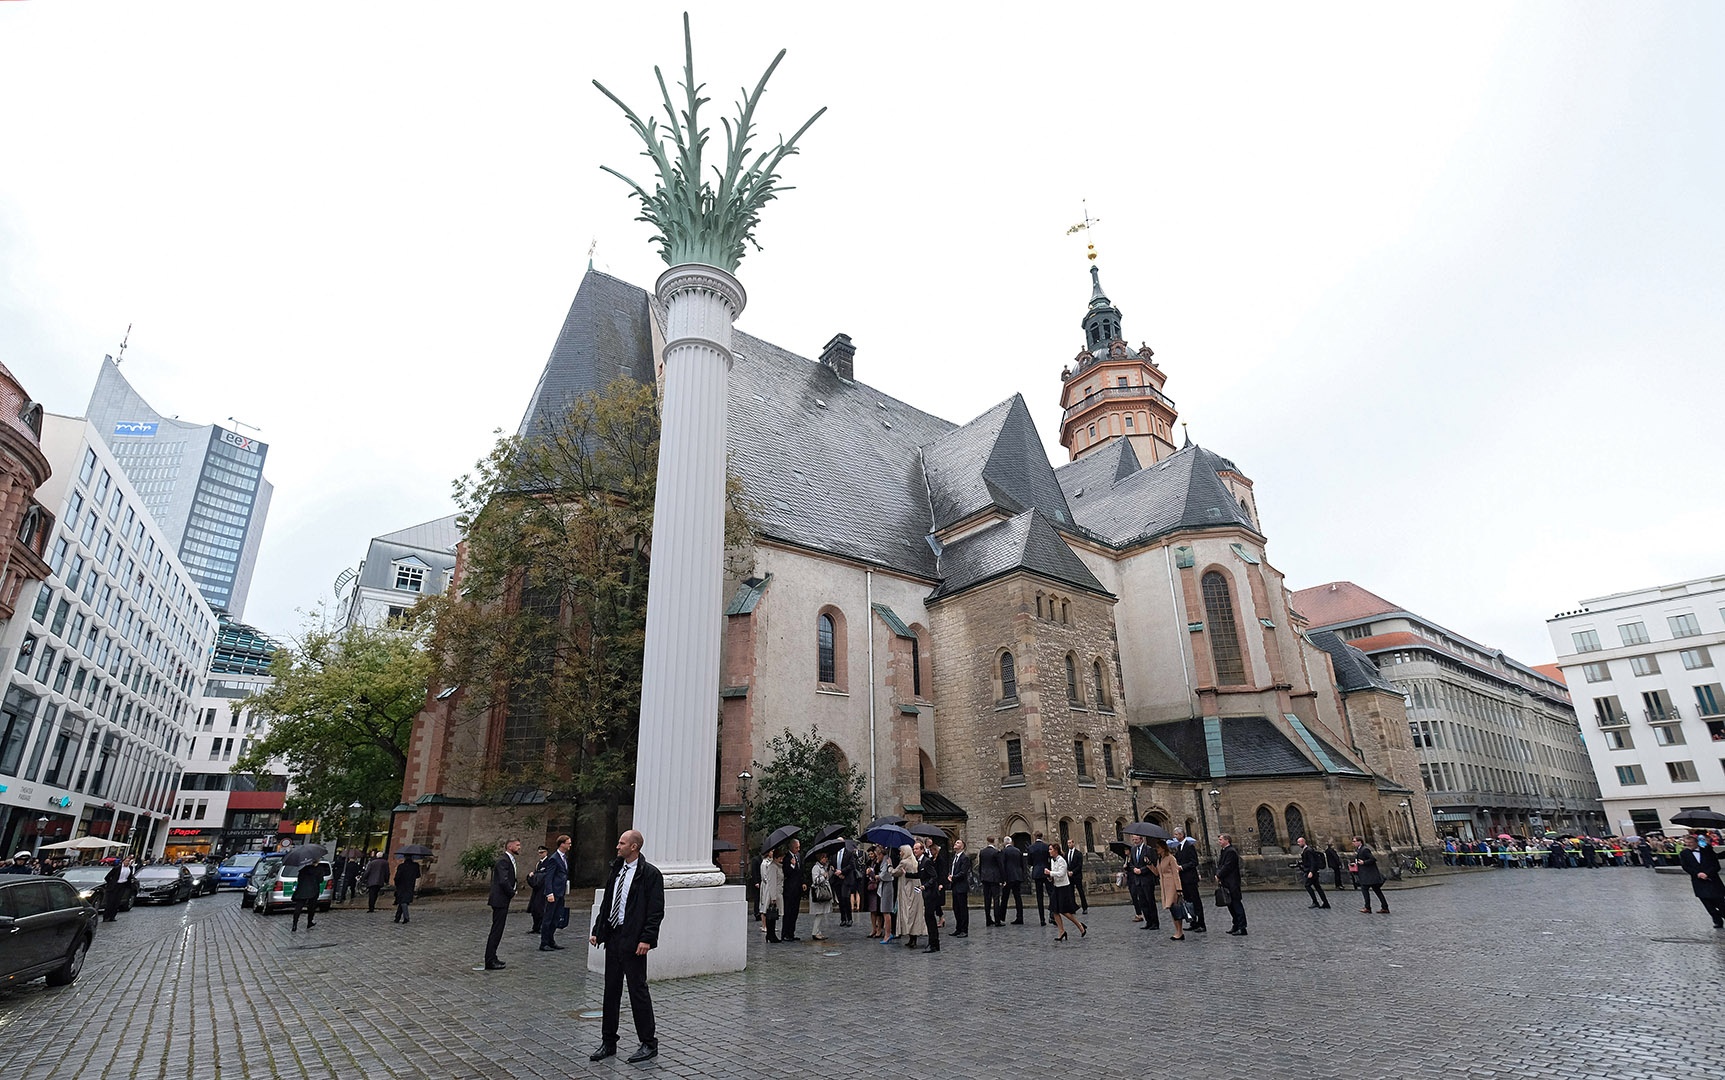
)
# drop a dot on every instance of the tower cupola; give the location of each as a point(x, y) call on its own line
point(1101, 319)
point(1112, 391)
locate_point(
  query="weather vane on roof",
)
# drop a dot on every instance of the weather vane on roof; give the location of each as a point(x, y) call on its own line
point(121, 355)
point(1085, 226)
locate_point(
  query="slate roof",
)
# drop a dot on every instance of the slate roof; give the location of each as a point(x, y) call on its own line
point(439, 534)
point(1354, 669)
point(1252, 746)
point(605, 335)
point(1026, 542)
point(936, 805)
point(995, 461)
point(1182, 491)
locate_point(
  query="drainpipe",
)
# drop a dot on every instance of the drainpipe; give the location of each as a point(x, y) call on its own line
point(868, 610)
point(1174, 602)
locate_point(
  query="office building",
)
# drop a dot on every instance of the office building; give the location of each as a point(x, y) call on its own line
point(400, 569)
point(1498, 744)
point(102, 664)
point(202, 483)
point(1644, 668)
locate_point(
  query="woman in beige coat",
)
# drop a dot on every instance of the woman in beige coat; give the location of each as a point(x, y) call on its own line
point(1168, 878)
point(772, 889)
point(910, 916)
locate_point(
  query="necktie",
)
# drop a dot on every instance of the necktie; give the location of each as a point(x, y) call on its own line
point(622, 894)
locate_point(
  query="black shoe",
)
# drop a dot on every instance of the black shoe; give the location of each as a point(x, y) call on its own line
point(547, 948)
point(1018, 922)
point(932, 948)
point(962, 933)
point(309, 924)
point(605, 1050)
point(1200, 930)
point(793, 937)
point(1324, 907)
point(1314, 904)
point(496, 965)
point(294, 928)
point(644, 1052)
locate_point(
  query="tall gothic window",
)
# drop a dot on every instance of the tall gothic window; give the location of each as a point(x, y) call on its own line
point(1072, 680)
point(1101, 686)
point(1267, 828)
point(1296, 822)
point(915, 667)
point(1008, 678)
point(1224, 635)
point(826, 657)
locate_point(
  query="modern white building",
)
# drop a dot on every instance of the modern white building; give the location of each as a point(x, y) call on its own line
point(400, 569)
point(1643, 667)
point(102, 677)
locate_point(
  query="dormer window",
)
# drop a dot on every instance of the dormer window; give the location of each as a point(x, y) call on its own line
point(410, 575)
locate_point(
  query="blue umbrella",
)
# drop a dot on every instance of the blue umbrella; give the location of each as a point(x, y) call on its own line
point(891, 835)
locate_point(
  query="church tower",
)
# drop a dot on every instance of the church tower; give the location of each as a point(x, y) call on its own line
point(1112, 391)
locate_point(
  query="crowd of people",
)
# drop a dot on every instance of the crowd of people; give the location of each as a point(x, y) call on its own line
point(1554, 852)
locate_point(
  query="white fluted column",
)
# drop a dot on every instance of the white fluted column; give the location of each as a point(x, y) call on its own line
point(674, 770)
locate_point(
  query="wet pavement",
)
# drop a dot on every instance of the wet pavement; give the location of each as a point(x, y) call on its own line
point(1487, 974)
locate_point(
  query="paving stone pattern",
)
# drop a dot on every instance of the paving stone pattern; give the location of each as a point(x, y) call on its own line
point(1554, 974)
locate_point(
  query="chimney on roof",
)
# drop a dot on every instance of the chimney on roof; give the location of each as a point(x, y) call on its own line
point(840, 355)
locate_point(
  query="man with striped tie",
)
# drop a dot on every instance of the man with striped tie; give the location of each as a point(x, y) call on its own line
point(630, 911)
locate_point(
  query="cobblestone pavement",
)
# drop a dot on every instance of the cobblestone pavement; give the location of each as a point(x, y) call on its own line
point(1490, 974)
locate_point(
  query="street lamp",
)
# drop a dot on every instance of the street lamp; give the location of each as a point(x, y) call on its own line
point(1408, 806)
point(744, 778)
point(41, 828)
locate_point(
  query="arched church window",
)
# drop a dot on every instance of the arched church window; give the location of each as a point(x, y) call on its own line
point(826, 655)
point(1296, 822)
point(1267, 828)
point(915, 667)
point(1072, 680)
point(1101, 685)
point(1223, 634)
point(1008, 678)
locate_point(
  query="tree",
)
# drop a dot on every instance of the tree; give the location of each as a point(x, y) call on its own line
point(806, 784)
point(548, 622)
point(341, 710)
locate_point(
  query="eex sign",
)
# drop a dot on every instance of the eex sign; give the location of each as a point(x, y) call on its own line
point(139, 428)
point(235, 439)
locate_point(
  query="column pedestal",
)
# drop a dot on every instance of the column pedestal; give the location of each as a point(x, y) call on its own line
point(706, 932)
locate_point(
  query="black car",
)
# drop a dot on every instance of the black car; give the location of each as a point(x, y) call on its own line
point(204, 878)
point(164, 884)
point(91, 882)
point(45, 929)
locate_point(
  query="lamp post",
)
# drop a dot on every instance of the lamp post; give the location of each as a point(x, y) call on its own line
point(41, 828)
point(1408, 806)
point(744, 778)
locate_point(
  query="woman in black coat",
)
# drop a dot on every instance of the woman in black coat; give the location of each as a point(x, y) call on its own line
point(1371, 879)
point(406, 877)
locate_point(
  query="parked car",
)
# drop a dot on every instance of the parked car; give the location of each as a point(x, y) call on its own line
point(91, 884)
point(164, 884)
point(267, 864)
point(204, 880)
point(236, 870)
point(47, 928)
point(275, 887)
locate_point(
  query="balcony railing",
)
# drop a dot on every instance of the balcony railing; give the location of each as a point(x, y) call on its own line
point(1116, 392)
point(1704, 709)
point(1666, 716)
point(1607, 721)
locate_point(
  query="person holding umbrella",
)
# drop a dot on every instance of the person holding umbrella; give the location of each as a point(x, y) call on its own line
point(406, 879)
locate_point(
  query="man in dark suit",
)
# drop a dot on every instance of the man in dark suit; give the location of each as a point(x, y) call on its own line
point(502, 892)
point(1141, 883)
point(988, 869)
point(556, 894)
point(933, 874)
point(1075, 867)
point(1011, 882)
point(1228, 877)
point(1312, 871)
point(1039, 860)
point(1701, 863)
point(843, 860)
point(959, 881)
point(793, 889)
point(626, 921)
point(536, 889)
point(1185, 851)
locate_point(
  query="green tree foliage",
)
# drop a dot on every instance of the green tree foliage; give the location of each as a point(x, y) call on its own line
point(477, 859)
point(548, 623)
point(341, 706)
point(806, 784)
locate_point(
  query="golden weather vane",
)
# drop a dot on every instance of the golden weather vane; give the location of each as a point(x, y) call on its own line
point(1085, 226)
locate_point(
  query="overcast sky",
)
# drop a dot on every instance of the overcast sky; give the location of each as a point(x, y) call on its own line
point(1446, 282)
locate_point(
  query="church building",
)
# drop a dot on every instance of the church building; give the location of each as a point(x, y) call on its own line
point(1001, 646)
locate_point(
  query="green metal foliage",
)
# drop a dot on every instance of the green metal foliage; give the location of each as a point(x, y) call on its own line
point(698, 223)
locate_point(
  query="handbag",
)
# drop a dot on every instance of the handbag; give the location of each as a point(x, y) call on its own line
point(562, 916)
point(1222, 897)
point(1178, 911)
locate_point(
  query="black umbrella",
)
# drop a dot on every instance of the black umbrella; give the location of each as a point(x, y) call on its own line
point(414, 849)
point(723, 845)
point(779, 836)
point(934, 832)
point(826, 845)
point(1120, 848)
point(1699, 819)
point(827, 833)
point(890, 819)
point(303, 854)
point(1149, 829)
point(890, 835)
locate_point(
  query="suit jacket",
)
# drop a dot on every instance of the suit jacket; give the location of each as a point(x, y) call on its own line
point(1228, 869)
point(1012, 865)
point(1075, 862)
point(557, 877)
point(1703, 861)
point(988, 866)
point(377, 872)
point(933, 877)
point(1038, 861)
point(1186, 854)
point(961, 872)
point(643, 908)
point(502, 881)
point(1311, 861)
point(793, 868)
